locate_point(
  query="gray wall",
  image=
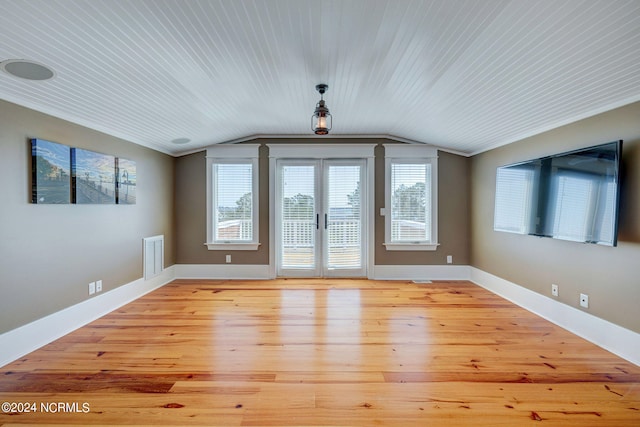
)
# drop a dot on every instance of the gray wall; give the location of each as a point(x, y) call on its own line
point(609, 275)
point(49, 253)
point(453, 205)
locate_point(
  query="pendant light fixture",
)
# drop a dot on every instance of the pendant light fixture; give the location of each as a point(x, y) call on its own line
point(321, 119)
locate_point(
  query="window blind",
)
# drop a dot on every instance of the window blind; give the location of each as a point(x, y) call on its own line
point(573, 195)
point(344, 217)
point(298, 217)
point(604, 230)
point(410, 202)
point(514, 198)
point(233, 202)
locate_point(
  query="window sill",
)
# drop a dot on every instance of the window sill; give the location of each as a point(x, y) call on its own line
point(411, 246)
point(232, 246)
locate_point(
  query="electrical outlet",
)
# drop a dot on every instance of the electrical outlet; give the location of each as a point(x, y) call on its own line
point(584, 300)
point(92, 288)
point(554, 290)
point(99, 286)
point(228, 259)
point(449, 259)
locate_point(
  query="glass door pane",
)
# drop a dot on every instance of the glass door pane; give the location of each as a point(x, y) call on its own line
point(320, 222)
point(298, 219)
point(343, 218)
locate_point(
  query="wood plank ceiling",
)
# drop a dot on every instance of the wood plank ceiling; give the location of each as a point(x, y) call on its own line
point(462, 75)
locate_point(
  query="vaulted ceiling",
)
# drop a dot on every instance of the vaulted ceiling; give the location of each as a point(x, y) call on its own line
point(466, 76)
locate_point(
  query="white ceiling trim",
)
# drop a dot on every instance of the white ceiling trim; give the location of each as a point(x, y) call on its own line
point(34, 105)
point(319, 140)
point(558, 124)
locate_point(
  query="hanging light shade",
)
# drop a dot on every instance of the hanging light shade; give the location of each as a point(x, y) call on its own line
point(321, 119)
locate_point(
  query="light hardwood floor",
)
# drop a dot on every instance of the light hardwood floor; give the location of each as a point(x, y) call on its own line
point(322, 352)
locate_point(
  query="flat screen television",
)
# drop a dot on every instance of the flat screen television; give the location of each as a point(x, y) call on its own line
point(570, 196)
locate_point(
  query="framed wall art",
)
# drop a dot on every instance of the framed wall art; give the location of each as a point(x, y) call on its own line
point(126, 181)
point(93, 177)
point(51, 172)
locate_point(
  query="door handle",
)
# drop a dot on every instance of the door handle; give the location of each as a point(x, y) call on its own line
point(326, 223)
point(317, 221)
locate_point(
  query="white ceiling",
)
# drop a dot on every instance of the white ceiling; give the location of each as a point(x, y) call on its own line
point(466, 76)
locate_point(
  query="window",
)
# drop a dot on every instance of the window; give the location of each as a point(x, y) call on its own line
point(410, 197)
point(232, 191)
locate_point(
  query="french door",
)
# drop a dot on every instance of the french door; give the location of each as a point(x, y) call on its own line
point(319, 218)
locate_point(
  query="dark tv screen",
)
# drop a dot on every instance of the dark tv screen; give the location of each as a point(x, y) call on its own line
point(569, 196)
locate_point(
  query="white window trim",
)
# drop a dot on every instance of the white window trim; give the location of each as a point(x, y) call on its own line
point(413, 153)
point(321, 151)
point(241, 153)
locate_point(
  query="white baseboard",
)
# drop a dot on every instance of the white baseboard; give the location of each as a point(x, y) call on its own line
point(23, 340)
point(420, 272)
point(222, 271)
point(378, 272)
point(616, 339)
